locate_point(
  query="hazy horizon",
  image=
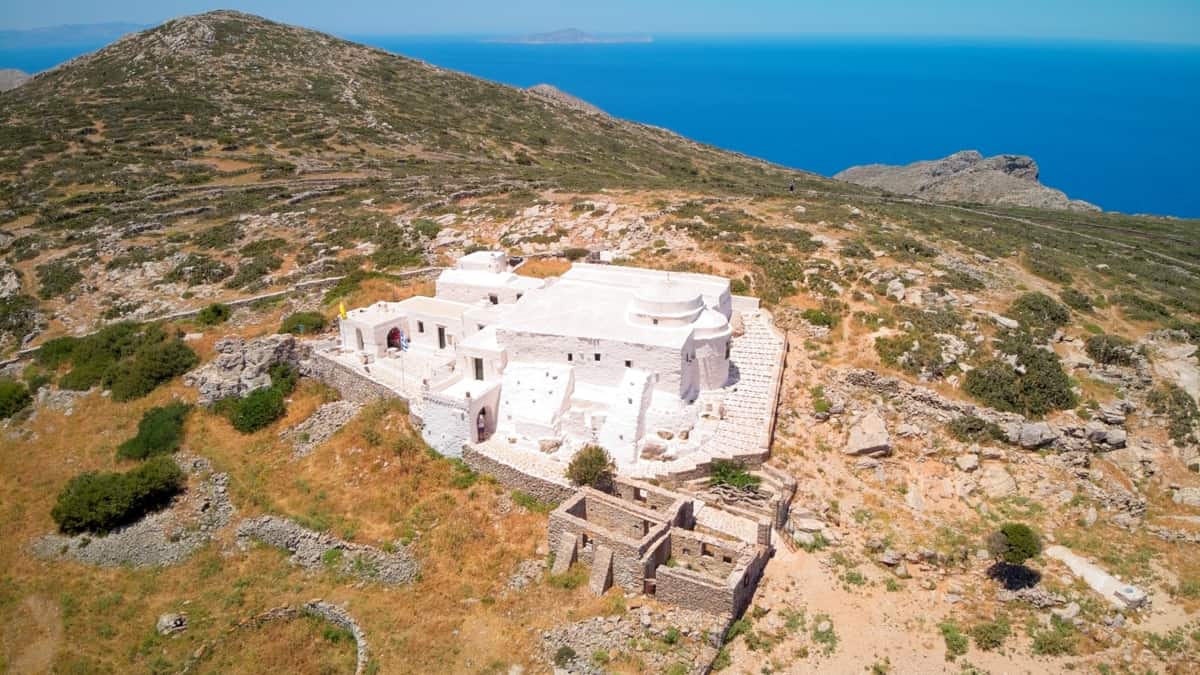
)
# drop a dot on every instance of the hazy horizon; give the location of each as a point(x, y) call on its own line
point(1152, 21)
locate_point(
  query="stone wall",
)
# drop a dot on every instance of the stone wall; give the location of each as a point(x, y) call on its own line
point(352, 385)
point(446, 424)
point(515, 479)
point(629, 564)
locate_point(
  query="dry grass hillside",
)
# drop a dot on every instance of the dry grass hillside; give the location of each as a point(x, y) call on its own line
point(222, 156)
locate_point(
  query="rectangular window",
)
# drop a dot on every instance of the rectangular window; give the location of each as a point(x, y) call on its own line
point(596, 356)
point(519, 295)
point(727, 559)
point(493, 298)
point(728, 346)
point(628, 363)
point(420, 326)
point(570, 357)
point(705, 551)
point(478, 369)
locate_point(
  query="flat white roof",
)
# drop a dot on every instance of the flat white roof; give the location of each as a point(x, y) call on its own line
point(708, 285)
point(588, 310)
point(435, 307)
point(484, 278)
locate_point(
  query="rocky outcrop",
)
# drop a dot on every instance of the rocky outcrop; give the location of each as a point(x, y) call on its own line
point(316, 550)
point(241, 366)
point(869, 436)
point(967, 176)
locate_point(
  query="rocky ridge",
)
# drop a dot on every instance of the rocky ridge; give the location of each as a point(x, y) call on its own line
point(967, 176)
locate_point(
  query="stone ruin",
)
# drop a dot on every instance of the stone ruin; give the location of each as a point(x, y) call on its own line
point(680, 549)
point(241, 366)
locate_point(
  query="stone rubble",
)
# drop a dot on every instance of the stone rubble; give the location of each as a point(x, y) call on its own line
point(166, 537)
point(313, 550)
point(320, 426)
point(241, 366)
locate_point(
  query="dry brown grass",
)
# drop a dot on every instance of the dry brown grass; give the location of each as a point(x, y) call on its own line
point(457, 618)
point(540, 268)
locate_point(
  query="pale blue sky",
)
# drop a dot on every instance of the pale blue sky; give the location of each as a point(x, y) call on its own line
point(1135, 20)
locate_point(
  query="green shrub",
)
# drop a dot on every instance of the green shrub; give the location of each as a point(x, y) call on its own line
point(591, 466)
point(1179, 408)
point(818, 317)
point(214, 314)
point(99, 502)
point(1042, 388)
point(197, 269)
point(856, 248)
point(574, 254)
point(732, 473)
point(564, 656)
point(972, 429)
point(1076, 300)
point(1014, 543)
point(160, 432)
point(1039, 314)
point(1057, 640)
point(149, 367)
point(57, 277)
point(1110, 349)
point(302, 323)
point(956, 642)
point(14, 396)
point(1138, 308)
point(258, 409)
point(990, 635)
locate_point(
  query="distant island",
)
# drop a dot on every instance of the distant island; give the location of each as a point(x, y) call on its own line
point(71, 35)
point(572, 36)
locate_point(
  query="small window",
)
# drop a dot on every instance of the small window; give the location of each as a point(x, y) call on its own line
point(728, 346)
point(420, 326)
point(596, 356)
point(493, 298)
point(570, 356)
point(655, 321)
point(519, 295)
point(479, 326)
point(628, 363)
point(727, 559)
point(705, 551)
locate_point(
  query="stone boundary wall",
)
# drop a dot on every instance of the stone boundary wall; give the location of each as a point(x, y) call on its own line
point(352, 385)
point(298, 287)
point(319, 608)
point(514, 479)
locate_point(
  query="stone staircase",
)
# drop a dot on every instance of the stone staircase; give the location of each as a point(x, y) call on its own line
point(744, 433)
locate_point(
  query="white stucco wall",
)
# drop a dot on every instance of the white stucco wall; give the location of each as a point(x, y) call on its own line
point(665, 363)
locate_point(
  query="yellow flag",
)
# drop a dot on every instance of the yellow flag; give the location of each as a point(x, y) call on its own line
point(342, 309)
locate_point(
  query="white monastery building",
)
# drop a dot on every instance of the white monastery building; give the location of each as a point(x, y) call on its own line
point(659, 368)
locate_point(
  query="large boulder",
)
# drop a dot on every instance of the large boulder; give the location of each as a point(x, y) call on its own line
point(241, 366)
point(996, 482)
point(1031, 435)
point(869, 436)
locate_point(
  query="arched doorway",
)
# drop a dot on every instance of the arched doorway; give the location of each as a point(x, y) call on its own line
point(395, 338)
point(481, 426)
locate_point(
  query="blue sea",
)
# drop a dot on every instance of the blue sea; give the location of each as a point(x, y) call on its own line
point(1112, 123)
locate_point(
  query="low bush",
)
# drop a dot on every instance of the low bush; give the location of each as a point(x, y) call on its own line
point(160, 432)
point(1014, 543)
point(258, 409)
point(956, 642)
point(972, 429)
point(1076, 300)
point(1040, 315)
point(1057, 640)
point(213, 315)
point(14, 397)
point(574, 254)
point(591, 466)
point(819, 317)
point(149, 367)
point(1042, 388)
point(57, 277)
point(1180, 410)
point(990, 635)
point(303, 323)
point(1110, 349)
point(100, 502)
point(731, 473)
point(1138, 308)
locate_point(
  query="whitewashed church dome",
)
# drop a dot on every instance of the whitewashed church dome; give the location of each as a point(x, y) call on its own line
point(666, 302)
